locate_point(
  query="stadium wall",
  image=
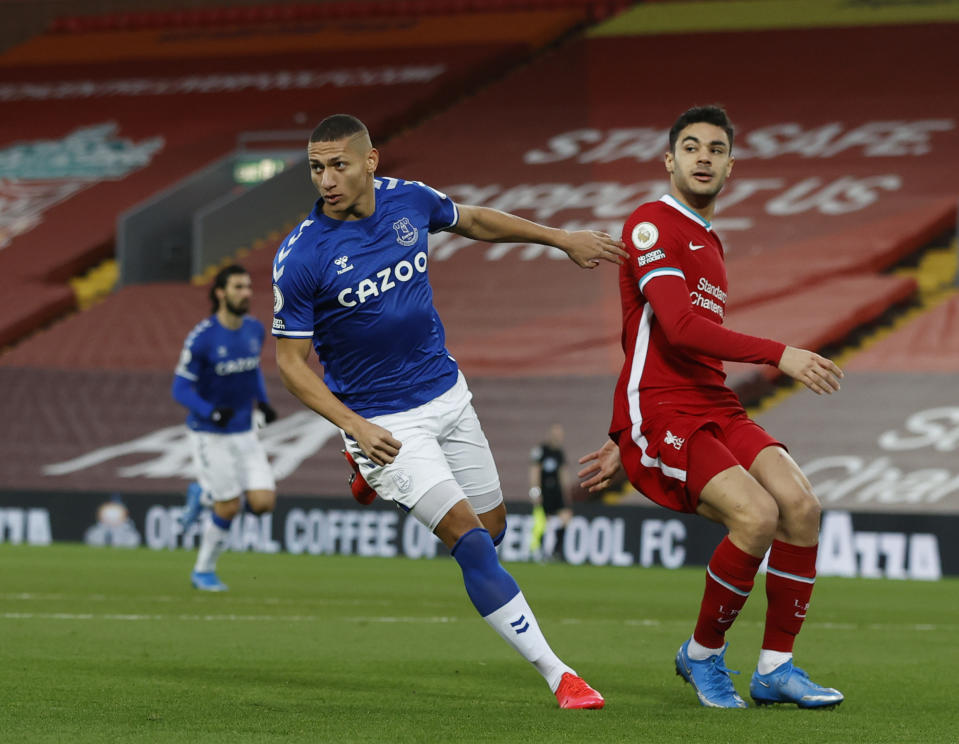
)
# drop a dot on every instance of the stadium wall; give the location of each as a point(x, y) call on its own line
point(852, 544)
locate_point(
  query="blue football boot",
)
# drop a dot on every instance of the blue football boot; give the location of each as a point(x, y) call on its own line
point(207, 581)
point(790, 684)
point(194, 505)
point(710, 678)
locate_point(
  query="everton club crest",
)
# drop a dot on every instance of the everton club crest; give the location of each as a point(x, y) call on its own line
point(406, 234)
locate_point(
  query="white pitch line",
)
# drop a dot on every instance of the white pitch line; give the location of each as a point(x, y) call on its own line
point(165, 599)
point(216, 618)
point(419, 620)
point(434, 620)
point(132, 617)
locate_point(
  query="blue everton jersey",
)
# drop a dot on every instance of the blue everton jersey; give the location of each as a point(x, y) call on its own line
point(224, 367)
point(360, 290)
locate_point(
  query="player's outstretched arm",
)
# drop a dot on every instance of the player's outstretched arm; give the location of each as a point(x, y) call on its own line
point(601, 466)
point(376, 442)
point(687, 330)
point(817, 373)
point(586, 248)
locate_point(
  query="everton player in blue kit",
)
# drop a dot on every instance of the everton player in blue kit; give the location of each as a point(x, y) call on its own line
point(351, 281)
point(218, 380)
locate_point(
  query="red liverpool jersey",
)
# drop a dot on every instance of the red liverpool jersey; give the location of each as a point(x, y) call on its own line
point(673, 291)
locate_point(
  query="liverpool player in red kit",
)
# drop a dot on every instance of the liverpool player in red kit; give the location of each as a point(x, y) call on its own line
point(685, 440)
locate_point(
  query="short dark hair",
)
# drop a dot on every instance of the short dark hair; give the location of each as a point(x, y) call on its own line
point(715, 115)
point(336, 127)
point(221, 280)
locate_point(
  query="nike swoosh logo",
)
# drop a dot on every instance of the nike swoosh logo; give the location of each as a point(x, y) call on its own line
point(693, 247)
point(764, 684)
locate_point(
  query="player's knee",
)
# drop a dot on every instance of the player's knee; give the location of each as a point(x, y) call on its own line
point(803, 514)
point(758, 523)
point(227, 509)
point(495, 523)
point(261, 502)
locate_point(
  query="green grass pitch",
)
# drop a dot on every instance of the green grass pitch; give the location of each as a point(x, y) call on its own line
point(105, 645)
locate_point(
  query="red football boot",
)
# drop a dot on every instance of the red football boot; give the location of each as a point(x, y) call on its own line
point(358, 486)
point(574, 693)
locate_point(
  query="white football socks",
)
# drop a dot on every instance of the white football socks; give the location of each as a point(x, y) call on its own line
point(771, 660)
point(768, 660)
point(213, 542)
point(699, 652)
point(517, 625)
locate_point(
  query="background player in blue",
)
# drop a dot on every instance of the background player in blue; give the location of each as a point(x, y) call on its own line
point(352, 280)
point(218, 379)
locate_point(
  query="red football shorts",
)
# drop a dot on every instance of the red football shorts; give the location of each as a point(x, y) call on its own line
point(676, 454)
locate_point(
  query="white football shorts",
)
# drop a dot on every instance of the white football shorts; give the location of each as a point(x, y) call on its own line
point(442, 440)
point(229, 465)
